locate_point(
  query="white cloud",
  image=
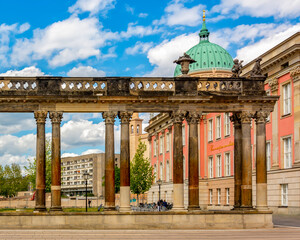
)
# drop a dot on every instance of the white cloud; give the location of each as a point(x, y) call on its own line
point(92, 6)
point(139, 48)
point(252, 51)
point(65, 155)
point(85, 133)
point(8, 159)
point(143, 15)
point(259, 8)
point(129, 9)
point(90, 151)
point(85, 71)
point(16, 122)
point(25, 72)
point(138, 30)
point(63, 42)
point(14, 145)
point(178, 14)
point(163, 55)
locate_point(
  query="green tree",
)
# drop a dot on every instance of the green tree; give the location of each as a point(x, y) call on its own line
point(141, 171)
point(31, 169)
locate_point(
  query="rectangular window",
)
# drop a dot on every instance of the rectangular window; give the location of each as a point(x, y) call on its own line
point(287, 150)
point(268, 94)
point(219, 195)
point(183, 135)
point(227, 164)
point(210, 130)
point(218, 127)
point(219, 166)
point(286, 99)
point(284, 195)
point(227, 195)
point(161, 144)
point(154, 147)
point(168, 142)
point(227, 124)
point(211, 167)
point(268, 155)
point(210, 196)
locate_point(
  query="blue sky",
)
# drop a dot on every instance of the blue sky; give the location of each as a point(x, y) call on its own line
point(120, 38)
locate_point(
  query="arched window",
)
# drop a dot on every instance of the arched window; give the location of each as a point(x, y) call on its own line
point(168, 172)
point(138, 129)
point(161, 171)
point(132, 129)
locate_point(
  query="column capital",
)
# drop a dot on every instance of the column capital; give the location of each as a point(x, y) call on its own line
point(178, 116)
point(170, 128)
point(56, 117)
point(109, 117)
point(40, 116)
point(235, 118)
point(246, 117)
point(273, 84)
point(261, 116)
point(295, 73)
point(149, 138)
point(193, 117)
point(125, 116)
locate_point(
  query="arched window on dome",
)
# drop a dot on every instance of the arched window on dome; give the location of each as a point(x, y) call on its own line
point(132, 129)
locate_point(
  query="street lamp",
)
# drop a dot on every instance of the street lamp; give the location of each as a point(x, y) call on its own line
point(85, 177)
point(159, 182)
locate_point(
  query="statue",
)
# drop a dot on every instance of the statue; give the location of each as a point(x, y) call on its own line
point(184, 61)
point(256, 71)
point(237, 68)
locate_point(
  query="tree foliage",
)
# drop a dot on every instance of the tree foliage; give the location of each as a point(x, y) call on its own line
point(11, 180)
point(141, 171)
point(31, 169)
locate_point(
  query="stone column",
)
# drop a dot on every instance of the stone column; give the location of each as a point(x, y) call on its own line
point(55, 162)
point(40, 201)
point(109, 118)
point(178, 187)
point(261, 163)
point(236, 119)
point(125, 162)
point(246, 187)
point(193, 120)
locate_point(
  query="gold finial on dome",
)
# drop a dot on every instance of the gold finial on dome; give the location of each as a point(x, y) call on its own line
point(203, 15)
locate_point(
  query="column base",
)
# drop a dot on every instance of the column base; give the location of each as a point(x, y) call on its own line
point(262, 208)
point(40, 209)
point(56, 209)
point(125, 209)
point(109, 208)
point(193, 208)
point(178, 209)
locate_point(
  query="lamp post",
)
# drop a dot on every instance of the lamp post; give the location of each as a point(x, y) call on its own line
point(159, 182)
point(85, 177)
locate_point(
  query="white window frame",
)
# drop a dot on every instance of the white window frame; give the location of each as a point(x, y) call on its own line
point(218, 127)
point(227, 190)
point(268, 119)
point(227, 124)
point(210, 130)
point(154, 148)
point(286, 88)
point(161, 167)
point(183, 135)
point(211, 166)
point(284, 194)
point(219, 165)
point(287, 152)
point(168, 171)
point(268, 155)
point(168, 142)
point(227, 164)
point(161, 140)
point(155, 172)
point(219, 195)
point(184, 162)
point(210, 196)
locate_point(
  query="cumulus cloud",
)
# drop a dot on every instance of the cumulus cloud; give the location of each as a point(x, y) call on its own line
point(92, 6)
point(65, 155)
point(63, 42)
point(139, 48)
point(259, 8)
point(14, 145)
point(15, 122)
point(25, 72)
point(8, 159)
point(252, 51)
point(85, 71)
point(178, 14)
point(163, 55)
point(90, 151)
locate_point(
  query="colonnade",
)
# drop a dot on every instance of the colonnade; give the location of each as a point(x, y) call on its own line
point(242, 160)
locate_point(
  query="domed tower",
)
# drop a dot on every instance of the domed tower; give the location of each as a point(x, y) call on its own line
point(211, 60)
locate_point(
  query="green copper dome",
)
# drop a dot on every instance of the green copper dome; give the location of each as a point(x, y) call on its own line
point(207, 55)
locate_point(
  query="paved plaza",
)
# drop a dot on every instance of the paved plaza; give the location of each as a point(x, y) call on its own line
point(277, 233)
